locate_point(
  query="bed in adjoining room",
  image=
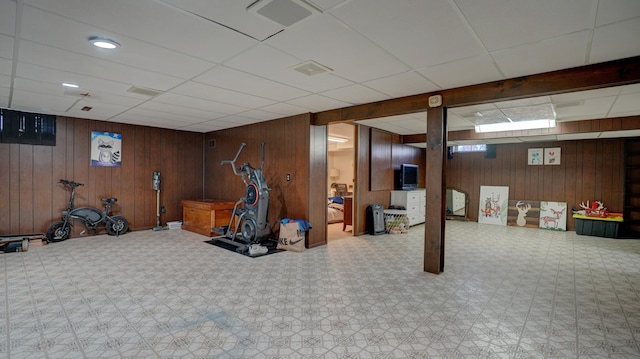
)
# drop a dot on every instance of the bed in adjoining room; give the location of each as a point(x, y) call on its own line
point(335, 210)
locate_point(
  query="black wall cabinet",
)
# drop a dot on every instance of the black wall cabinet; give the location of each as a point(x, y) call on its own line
point(27, 128)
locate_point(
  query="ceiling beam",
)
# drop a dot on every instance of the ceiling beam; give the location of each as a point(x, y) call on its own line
point(606, 74)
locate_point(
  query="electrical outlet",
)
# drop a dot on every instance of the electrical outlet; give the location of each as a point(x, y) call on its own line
point(163, 210)
point(288, 177)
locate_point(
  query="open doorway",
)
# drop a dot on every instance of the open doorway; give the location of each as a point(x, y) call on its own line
point(341, 180)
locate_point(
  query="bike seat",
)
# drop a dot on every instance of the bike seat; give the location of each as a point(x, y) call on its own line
point(109, 200)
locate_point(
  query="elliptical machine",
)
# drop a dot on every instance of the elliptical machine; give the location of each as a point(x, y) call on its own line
point(251, 220)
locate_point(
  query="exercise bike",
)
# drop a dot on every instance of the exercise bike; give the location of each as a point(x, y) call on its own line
point(91, 217)
point(251, 222)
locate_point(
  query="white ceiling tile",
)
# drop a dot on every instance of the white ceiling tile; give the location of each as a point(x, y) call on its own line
point(465, 110)
point(591, 108)
point(25, 100)
point(502, 24)
point(99, 110)
point(384, 22)
point(316, 102)
point(259, 115)
point(285, 109)
point(5, 82)
point(558, 53)
point(235, 80)
point(581, 95)
point(616, 10)
point(327, 4)
point(273, 64)
point(525, 102)
point(63, 33)
point(328, 42)
point(161, 115)
point(630, 88)
point(7, 17)
point(181, 111)
point(72, 62)
point(6, 47)
point(625, 104)
point(6, 66)
point(403, 84)
point(355, 94)
point(198, 103)
point(156, 23)
point(469, 71)
point(86, 83)
point(240, 120)
point(234, 16)
point(626, 42)
point(213, 93)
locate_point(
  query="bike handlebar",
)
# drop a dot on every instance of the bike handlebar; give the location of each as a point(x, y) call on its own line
point(71, 184)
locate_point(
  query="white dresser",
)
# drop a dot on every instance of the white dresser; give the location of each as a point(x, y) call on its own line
point(414, 202)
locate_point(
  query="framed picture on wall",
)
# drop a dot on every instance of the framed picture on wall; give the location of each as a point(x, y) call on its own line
point(535, 156)
point(105, 149)
point(552, 156)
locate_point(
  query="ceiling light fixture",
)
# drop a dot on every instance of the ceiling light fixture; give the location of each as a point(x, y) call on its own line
point(337, 139)
point(515, 126)
point(103, 42)
point(67, 84)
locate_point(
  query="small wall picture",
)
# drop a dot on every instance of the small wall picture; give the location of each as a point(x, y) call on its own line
point(535, 156)
point(105, 149)
point(494, 205)
point(552, 156)
point(553, 215)
point(523, 213)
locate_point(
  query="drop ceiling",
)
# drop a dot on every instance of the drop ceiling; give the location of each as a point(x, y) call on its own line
point(201, 65)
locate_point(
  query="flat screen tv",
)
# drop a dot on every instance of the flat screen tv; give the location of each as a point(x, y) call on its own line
point(407, 177)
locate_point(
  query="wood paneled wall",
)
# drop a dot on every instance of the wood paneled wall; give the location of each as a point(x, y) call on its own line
point(291, 148)
point(31, 198)
point(400, 154)
point(589, 170)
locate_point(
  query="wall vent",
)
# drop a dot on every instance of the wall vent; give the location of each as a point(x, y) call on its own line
point(212, 143)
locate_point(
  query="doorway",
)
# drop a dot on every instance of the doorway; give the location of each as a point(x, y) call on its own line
point(341, 180)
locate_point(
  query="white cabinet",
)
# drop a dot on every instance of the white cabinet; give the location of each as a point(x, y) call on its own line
point(414, 202)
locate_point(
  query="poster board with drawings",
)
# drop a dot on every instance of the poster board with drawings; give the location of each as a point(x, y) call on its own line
point(553, 215)
point(524, 213)
point(494, 205)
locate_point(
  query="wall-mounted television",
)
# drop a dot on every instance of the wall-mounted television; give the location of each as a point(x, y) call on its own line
point(407, 177)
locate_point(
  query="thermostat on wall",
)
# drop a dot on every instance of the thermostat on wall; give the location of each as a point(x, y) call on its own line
point(435, 101)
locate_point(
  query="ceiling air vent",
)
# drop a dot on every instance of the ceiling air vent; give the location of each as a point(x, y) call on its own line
point(283, 12)
point(145, 91)
point(311, 68)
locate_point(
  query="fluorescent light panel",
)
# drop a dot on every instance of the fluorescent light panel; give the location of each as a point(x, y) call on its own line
point(337, 139)
point(515, 126)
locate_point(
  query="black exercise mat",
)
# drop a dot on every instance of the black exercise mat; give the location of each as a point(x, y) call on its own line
point(271, 246)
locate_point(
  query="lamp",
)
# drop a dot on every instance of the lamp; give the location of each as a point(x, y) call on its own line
point(334, 173)
point(517, 125)
point(103, 42)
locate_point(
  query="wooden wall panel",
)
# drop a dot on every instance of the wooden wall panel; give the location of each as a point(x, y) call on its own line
point(399, 154)
point(380, 169)
point(32, 198)
point(589, 170)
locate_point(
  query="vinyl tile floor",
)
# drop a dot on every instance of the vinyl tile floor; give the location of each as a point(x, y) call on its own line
point(505, 293)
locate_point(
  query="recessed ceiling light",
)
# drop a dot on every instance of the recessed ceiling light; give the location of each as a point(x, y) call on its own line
point(514, 126)
point(67, 84)
point(103, 42)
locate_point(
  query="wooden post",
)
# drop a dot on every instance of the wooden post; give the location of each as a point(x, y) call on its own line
point(435, 189)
